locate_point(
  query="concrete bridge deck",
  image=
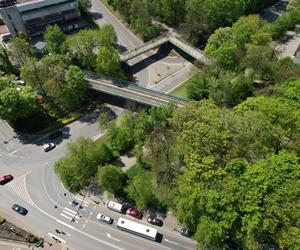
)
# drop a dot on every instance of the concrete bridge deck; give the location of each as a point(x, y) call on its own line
point(129, 90)
point(172, 38)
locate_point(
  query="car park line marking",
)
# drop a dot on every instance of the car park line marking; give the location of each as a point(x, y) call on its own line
point(175, 243)
point(57, 238)
point(109, 236)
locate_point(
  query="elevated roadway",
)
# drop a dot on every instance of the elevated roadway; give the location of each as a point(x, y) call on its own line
point(129, 90)
point(172, 38)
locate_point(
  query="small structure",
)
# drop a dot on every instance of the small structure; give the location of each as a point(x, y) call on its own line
point(32, 16)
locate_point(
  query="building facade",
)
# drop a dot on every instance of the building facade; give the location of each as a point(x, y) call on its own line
point(32, 16)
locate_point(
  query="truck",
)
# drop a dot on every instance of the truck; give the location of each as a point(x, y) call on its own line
point(115, 206)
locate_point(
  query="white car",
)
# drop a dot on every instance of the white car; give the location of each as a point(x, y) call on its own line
point(47, 147)
point(104, 218)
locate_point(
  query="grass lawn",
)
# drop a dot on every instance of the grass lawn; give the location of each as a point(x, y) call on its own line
point(181, 90)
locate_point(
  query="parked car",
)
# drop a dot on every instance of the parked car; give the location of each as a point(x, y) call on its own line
point(19, 209)
point(134, 213)
point(185, 232)
point(55, 135)
point(155, 221)
point(104, 218)
point(49, 146)
point(6, 178)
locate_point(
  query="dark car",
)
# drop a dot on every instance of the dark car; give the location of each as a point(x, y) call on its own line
point(155, 221)
point(19, 209)
point(55, 135)
point(185, 232)
point(6, 178)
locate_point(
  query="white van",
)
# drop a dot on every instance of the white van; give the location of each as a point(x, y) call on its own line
point(114, 206)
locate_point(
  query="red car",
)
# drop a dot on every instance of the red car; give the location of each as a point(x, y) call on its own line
point(6, 178)
point(134, 213)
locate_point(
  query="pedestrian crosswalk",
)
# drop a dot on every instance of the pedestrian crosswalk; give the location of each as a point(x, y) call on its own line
point(70, 214)
point(18, 185)
point(74, 213)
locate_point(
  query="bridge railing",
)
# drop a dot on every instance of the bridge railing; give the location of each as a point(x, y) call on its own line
point(125, 83)
point(165, 35)
point(174, 38)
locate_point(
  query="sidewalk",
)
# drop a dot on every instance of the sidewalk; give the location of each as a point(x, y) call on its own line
point(12, 245)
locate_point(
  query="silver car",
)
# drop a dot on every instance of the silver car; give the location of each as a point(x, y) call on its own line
point(104, 218)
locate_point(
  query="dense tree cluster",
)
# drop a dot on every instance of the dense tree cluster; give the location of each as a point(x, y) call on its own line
point(241, 55)
point(16, 102)
point(196, 18)
point(288, 20)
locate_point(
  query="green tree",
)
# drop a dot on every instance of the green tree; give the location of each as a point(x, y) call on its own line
point(54, 38)
point(111, 178)
point(84, 5)
point(81, 48)
point(292, 93)
point(79, 165)
point(74, 88)
point(283, 119)
point(103, 153)
point(17, 104)
point(108, 61)
point(108, 36)
point(20, 50)
point(140, 189)
point(270, 207)
point(5, 64)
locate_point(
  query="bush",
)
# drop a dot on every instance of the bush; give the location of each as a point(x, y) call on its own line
point(2, 220)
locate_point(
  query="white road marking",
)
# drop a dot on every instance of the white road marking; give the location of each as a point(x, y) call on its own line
point(63, 215)
point(55, 237)
point(109, 236)
point(19, 187)
point(76, 216)
point(70, 210)
point(65, 224)
point(11, 154)
point(175, 243)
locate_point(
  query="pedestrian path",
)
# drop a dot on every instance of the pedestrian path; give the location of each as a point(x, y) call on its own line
point(18, 186)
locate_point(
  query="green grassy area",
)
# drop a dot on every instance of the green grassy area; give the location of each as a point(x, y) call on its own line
point(181, 90)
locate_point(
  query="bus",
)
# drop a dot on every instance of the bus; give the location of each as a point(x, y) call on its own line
point(137, 228)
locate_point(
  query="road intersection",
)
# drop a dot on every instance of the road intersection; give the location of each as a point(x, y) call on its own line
point(37, 188)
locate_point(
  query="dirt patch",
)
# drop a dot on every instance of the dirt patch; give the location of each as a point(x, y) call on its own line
point(9, 231)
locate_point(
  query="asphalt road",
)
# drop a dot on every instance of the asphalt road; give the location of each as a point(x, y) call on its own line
point(129, 41)
point(37, 188)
